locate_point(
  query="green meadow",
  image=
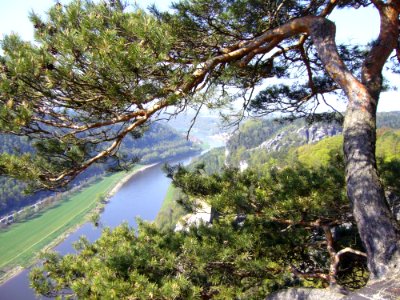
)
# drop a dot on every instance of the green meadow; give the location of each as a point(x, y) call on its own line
point(170, 211)
point(21, 242)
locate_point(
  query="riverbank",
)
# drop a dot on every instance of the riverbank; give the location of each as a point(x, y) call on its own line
point(124, 180)
point(20, 245)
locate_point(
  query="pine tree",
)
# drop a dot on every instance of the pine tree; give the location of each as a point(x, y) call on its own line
point(96, 66)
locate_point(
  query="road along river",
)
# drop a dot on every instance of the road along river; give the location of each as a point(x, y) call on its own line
point(141, 196)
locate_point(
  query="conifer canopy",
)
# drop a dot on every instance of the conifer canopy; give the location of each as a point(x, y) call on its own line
point(99, 71)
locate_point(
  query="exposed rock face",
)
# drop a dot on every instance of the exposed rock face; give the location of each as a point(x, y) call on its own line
point(387, 289)
point(306, 294)
point(274, 144)
point(303, 135)
point(317, 132)
point(394, 204)
point(292, 135)
point(202, 215)
point(226, 156)
point(243, 165)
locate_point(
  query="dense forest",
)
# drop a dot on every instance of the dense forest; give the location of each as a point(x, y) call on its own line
point(156, 144)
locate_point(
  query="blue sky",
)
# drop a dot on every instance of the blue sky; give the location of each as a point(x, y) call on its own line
point(14, 14)
point(353, 26)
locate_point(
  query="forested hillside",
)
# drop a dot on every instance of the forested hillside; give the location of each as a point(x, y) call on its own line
point(290, 145)
point(258, 141)
point(158, 143)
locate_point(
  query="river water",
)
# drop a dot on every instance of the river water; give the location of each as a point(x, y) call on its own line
point(141, 196)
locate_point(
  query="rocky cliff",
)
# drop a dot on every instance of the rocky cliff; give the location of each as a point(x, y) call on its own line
point(304, 135)
point(250, 142)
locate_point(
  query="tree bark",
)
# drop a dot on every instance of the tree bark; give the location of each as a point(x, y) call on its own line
point(379, 231)
point(377, 227)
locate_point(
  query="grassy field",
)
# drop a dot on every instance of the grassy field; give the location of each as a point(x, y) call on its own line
point(169, 197)
point(170, 212)
point(20, 244)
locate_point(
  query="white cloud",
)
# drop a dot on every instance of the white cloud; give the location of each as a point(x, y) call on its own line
point(389, 101)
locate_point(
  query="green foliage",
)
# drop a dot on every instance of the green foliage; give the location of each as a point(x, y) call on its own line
point(157, 143)
point(21, 242)
point(13, 193)
point(121, 265)
point(319, 154)
point(90, 62)
point(162, 265)
point(244, 145)
point(280, 135)
point(304, 194)
point(268, 222)
point(98, 72)
point(253, 132)
point(213, 160)
point(316, 155)
point(311, 189)
point(388, 119)
point(388, 144)
point(170, 212)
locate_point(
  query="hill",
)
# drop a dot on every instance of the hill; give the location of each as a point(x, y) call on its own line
point(266, 143)
point(158, 143)
point(261, 140)
point(275, 227)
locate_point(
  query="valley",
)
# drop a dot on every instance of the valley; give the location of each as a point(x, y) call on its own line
point(243, 147)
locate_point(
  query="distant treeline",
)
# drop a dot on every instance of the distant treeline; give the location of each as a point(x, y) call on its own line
point(242, 146)
point(157, 143)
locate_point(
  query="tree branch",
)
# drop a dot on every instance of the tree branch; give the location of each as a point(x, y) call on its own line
point(60, 179)
point(371, 73)
point(319, 275)
point(321, 31)
point(329, 8)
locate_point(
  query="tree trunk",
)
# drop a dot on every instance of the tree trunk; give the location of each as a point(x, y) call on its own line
point(378, 229)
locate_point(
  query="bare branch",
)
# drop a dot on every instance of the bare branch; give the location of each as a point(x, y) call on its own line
point(329, 8)
point(193, 121)
point(319, 275)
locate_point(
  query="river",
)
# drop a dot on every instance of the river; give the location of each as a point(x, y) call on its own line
point(141, 196)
